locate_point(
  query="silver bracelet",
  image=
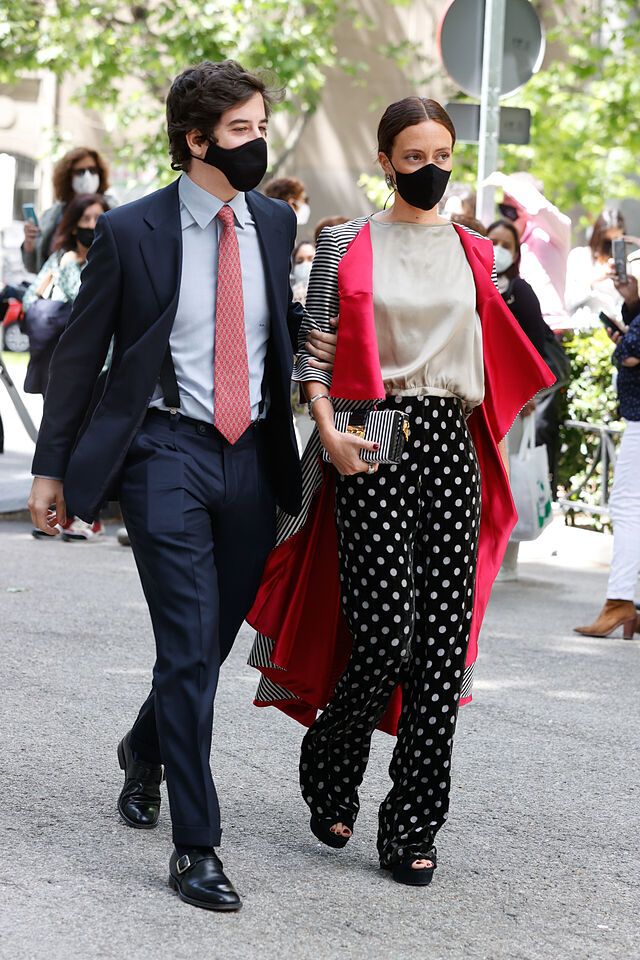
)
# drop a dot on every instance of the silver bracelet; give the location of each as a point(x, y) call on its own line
point(312, 400)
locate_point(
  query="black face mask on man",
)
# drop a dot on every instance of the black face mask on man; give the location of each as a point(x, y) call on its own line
point(243, 166)
point(85, 236)
point(423, 188)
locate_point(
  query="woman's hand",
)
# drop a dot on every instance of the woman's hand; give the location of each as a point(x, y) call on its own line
point(631, 362)
point(31, 234)
point(344, 451)
point(528, 408)
point(628, 290)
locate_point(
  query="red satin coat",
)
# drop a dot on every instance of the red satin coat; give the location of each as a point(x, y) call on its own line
point(298, 603)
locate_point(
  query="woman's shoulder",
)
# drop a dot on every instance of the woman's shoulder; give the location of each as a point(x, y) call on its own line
point(472, 232)
point(52, 262)
point(342, 234)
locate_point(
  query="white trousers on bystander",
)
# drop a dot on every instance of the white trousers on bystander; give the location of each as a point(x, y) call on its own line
point(625, 515)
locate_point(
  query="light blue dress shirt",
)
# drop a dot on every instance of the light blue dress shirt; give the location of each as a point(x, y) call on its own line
point(193, 335)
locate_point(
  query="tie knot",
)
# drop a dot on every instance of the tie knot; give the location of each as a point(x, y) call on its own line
point(225, 215)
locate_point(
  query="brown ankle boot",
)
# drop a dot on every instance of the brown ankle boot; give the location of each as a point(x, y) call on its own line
point(614, 614)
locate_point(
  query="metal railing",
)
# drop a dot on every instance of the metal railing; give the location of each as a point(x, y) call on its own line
point(604, 457)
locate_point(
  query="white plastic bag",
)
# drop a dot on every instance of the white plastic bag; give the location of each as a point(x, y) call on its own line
point(530, 486)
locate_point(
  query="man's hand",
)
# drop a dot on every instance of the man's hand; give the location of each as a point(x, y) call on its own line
point(46, 505)
point(322, 347)
point(31, 234)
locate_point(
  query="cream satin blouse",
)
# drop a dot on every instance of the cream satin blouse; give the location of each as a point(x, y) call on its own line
point(424, 295)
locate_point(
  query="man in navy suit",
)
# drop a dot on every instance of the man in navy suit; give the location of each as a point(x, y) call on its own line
point(193, 432)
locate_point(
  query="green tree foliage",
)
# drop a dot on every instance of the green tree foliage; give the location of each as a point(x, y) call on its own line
point(124, 54)
point(585, 121)
point(585, 116)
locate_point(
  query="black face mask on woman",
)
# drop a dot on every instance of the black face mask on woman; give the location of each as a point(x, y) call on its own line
point(243, 166)
point(423, 188)
point(508, 211)
point(85, 236)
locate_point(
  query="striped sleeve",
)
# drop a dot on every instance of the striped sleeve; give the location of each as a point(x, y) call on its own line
point(323, 304)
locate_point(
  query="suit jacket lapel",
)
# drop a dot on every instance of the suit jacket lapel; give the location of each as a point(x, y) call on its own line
point(161, 246)
point(273, 246)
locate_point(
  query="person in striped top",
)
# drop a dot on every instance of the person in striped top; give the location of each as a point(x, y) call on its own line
point(370, 600)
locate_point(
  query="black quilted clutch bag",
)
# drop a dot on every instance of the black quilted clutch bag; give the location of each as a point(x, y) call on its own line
point(388, 428)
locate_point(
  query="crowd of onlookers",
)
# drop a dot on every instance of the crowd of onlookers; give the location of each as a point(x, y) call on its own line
point(548, 286)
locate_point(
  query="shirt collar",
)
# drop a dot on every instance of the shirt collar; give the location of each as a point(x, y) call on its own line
point(202, 207)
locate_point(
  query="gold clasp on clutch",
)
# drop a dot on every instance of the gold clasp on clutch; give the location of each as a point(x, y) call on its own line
point(406, 430)
point(356, 430)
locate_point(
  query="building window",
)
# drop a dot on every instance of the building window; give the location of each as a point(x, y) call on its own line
point(25, 189)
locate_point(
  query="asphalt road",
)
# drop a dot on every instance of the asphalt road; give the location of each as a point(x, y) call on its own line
point(539, 859)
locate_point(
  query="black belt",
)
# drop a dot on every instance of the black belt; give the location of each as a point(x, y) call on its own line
point(201, 427)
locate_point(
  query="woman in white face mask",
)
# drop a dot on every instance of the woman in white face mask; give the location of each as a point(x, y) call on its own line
point(79, 172)
point(525, 306)
point(302, 260)
point(293, 192)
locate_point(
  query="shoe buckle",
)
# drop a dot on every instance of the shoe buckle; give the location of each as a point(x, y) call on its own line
point(183, 863)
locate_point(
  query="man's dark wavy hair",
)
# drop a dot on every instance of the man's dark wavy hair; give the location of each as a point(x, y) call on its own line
point(200, 95)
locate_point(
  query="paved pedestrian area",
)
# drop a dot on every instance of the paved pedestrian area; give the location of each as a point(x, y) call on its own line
point(539, 859)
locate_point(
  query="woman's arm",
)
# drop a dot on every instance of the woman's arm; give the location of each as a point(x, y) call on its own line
point(627, 353)
point(526, 310)
point(322, 307)
point(31, 294)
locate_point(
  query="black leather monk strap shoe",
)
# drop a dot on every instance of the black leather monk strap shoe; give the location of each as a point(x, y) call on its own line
point(198, 878)
point(139, 801)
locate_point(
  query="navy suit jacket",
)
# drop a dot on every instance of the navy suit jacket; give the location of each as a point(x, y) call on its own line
point(129, 291)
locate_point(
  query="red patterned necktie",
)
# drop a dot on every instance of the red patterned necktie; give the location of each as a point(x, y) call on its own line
point(231, 368)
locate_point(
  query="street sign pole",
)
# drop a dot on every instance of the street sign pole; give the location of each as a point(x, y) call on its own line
point(492, 56)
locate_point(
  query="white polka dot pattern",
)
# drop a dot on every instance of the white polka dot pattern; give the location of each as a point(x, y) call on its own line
point(232, 401)
point(408, 543)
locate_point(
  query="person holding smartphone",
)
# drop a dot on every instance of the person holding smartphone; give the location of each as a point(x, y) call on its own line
point(619, 609)
point(79, 172)
point(590, 287)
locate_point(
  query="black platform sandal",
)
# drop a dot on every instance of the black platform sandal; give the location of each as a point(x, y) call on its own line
point(321, 830)
point(405, 873)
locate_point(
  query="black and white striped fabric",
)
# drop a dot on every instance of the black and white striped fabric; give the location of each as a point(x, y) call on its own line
point(383, 427)
point(322, 305)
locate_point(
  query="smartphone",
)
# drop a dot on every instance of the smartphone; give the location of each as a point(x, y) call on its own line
point(29, 213)
point(619, 254)
point(610, 324)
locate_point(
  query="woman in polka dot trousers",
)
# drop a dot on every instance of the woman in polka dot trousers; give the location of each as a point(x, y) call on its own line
point(419, 317)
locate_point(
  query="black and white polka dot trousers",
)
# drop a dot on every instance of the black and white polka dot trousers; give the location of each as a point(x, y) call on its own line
point(408, 542)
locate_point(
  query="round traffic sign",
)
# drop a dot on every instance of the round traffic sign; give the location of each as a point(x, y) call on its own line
point(461, 35)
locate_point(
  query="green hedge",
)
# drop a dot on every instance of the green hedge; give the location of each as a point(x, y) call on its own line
point(591, 397)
